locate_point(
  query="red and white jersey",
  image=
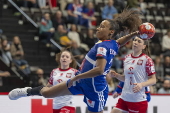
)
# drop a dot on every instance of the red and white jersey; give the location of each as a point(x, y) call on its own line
point(57, 76)
point(136, 70)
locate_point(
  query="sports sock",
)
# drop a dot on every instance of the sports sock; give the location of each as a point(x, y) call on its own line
point(34, 91)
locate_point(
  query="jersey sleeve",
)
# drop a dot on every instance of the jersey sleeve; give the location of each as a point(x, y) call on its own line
point(51, 78)
point(102, 52)
point(150, 68)
point(119, 87)
point(147, 92)
point(118, 44)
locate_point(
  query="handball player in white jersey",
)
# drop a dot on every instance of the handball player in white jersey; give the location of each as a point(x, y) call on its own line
point(139, 72)
point(66, 70)
point(90, 80)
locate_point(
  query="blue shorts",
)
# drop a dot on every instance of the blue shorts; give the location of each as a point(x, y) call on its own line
point(95, 100)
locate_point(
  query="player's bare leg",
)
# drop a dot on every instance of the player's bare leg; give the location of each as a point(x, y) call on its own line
point(48, 92)
point(54, 91)
point(118, 111)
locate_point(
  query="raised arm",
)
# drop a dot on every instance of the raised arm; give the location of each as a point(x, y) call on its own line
point(123, 40)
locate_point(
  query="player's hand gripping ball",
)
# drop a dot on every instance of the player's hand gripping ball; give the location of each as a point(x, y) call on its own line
point(146, 31)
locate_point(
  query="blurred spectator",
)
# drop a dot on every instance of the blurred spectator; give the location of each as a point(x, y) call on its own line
point(53, 3)
point(4, 73)
point(88, 18)
point(109, 10)
point(74, 36)
point(18, 56)
point(77, 52)
point(61, 37)
point(46, 29)
point(133, 5)
point(159, 69)
point(153, 89)
point(166, 66)
point(166, 43)
point(119, 5)
point(5, 52)
point(91, 39)
point(74, 11)
point(42, 4)
point(63, 4)
point(58, 20)
point(30, 3)
point(142, 6)
point(38, 79)
point(165, 89)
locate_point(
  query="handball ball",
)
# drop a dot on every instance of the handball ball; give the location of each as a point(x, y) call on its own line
point(146, 30)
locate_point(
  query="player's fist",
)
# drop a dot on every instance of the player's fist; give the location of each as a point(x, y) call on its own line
point(113, 74)
point(115, 94)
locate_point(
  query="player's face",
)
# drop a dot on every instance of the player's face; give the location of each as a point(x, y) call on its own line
point(138, 45)
point(103, 30)
point(65, 59)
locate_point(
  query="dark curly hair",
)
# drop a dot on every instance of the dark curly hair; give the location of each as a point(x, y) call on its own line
point(127, 20)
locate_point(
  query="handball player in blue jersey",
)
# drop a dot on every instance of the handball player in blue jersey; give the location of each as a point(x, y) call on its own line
point(90, 78)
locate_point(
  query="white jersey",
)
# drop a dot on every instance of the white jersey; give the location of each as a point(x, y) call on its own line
point(57, 76)
point(136, 70)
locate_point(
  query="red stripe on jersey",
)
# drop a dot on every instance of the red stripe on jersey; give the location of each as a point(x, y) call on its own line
point(105, 40)
point(151, 74)
point(64, 69)
point(119, 87)
point(99, 55)
point(137, 56)
point(50, 81)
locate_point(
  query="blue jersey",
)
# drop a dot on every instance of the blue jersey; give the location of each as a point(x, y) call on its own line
point(95, 89)
point(105, 49)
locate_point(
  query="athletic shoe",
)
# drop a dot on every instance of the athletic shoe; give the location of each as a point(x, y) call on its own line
point(18, 93)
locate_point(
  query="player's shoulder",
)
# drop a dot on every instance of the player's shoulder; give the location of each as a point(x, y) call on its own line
point(147, 57)
point(128, 55)
point(107, 43)
point(73, 69)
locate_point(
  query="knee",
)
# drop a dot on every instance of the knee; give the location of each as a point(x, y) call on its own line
point(45, 92)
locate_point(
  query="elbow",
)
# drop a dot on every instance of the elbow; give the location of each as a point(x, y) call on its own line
point(100, 71)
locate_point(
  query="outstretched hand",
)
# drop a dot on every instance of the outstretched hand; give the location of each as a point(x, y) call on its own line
point(72, 82)
point(113, 74)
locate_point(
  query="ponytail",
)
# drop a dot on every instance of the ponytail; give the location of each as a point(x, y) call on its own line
point(146, 50)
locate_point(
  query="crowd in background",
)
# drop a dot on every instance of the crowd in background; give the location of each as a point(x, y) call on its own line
point(73, 25)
